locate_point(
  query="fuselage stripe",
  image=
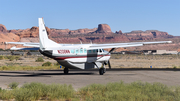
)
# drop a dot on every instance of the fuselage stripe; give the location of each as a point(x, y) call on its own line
point(63, 58)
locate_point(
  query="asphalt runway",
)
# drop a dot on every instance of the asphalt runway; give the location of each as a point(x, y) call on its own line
point(81, 78)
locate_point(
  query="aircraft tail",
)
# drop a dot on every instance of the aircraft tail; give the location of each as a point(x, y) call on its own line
point(45, 42)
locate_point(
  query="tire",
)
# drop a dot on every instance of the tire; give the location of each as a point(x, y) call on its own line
point(66, 71)
point(104, 70)
point(101, 71)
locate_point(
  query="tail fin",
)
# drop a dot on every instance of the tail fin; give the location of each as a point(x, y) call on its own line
point(45, 42)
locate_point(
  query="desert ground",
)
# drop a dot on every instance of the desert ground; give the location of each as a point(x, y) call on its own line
point(117, 61)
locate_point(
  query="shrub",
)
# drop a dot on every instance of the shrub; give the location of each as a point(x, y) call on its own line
point(13, 85)
point(174, 67)
point(4, 68)
point(1, 57)
point(57, 91)
point(5, 57)
point(36, 90)
point(53, 91)
point(118, 91)
point(47, 64)
point(6, 95)
point(17, 57)
point(11, 58)
point(127, 92)
point(40, 59)
point(56, 64)
point(23, 94)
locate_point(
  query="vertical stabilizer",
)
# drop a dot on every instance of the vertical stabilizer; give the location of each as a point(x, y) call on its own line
point(44, 41)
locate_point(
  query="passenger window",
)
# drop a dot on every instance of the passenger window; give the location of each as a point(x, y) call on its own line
point(77, 51)
point(85, 51)
point(81, 50)
point(72, 50)
point(89, 51)
point(94, 51)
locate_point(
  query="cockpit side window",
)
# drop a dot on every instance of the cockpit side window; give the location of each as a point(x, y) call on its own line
point(100, 50)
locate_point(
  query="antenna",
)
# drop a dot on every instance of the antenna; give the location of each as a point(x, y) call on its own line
point(90, 41)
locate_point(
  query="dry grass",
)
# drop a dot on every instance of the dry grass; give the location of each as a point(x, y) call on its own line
point(145, 61)
point(117, 61)
point(118, 91)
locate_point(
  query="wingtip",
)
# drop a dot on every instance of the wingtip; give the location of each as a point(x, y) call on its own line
point(169, 42)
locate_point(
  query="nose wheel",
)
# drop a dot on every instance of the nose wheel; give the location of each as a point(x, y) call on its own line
point(66, 70)
point(102, 71)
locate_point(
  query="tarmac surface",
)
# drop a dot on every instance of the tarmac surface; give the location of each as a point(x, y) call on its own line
point(81, 78)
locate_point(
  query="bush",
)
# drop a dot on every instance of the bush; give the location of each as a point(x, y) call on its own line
point(53, 91)
point(57, 91)
point(35, 90)
point(11, 58)
point(127, 92)
point(40, 59)
point(13, 85)
point(1, 57)
point(17, 57)
point(174, 67)
point(23, 94)
point(56, 64)
point(118, 91)
point(6, 57)
point(4, 68)
point(47, 64)
point(6, 95)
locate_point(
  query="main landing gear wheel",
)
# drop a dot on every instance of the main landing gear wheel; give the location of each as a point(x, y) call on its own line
point(66, 70)
point(101, 71)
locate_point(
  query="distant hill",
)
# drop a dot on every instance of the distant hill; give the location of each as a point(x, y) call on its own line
point(102, 34)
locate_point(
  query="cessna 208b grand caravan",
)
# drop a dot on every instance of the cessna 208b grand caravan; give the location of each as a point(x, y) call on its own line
point(76, 56)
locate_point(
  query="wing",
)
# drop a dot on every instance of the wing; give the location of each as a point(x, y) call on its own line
point(34, 46)
point(29, 44)
point(119, 45)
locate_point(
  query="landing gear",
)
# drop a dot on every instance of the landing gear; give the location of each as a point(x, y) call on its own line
point(101, 71)
point(66, 70)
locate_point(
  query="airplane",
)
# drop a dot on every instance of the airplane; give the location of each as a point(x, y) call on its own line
point(76, 56)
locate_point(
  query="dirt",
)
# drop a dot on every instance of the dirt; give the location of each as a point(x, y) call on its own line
point(145, 61)
point(26, 61)
point(117, 61)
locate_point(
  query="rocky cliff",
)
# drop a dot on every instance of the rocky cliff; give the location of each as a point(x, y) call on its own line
point(102, 34)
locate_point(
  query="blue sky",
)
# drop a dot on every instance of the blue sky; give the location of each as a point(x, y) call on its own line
point(125, 15)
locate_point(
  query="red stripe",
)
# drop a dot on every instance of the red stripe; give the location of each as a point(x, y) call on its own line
point(62, 58)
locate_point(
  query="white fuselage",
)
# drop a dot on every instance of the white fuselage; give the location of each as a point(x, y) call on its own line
point(81, 58)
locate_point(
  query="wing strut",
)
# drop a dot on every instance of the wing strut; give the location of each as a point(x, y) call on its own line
point(95, 65)
point(111, 50)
